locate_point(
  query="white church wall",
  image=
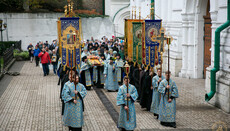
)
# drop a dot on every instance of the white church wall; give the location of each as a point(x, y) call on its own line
point(34, 27)
point(118, 12)
point(171, 20)
point(222, 97)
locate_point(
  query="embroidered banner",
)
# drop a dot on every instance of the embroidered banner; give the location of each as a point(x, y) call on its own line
point(137, 44)
point(70, 39)
point(152, 28)
point(129, 36)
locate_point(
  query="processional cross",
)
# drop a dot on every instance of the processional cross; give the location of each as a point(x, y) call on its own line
point(162, 38)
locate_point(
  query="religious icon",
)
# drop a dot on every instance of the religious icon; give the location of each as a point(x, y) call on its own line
point(152, 32)
point(139, 34)
point(54, 58)
point(70, 39)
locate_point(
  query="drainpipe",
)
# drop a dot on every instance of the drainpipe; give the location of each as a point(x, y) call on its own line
point(217, 55)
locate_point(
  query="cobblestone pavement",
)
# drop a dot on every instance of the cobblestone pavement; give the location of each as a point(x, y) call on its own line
point(31, 102)
point(192, 110)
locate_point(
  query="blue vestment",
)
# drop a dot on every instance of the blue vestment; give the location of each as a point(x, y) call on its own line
point(156, 95)
point(111, 78)
point(121, 101)
point(119, 64)
point(73, 114)
point(167, 111)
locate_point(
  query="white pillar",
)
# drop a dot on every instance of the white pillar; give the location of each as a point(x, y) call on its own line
point(190, 70)
point(184, 45)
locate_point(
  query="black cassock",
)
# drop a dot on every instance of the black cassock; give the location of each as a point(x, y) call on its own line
point(136, 77)
point(83, 80)
point(142, 84)
point(141, 80)
point(64, 79)
point(131, 64)
point(146, 97)
point(99, 69)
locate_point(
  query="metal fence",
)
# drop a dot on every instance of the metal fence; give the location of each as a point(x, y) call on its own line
point(8, 55)
point(6, 58)
point(17, 45)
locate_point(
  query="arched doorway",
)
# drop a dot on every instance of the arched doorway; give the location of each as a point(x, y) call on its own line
point(207, 38)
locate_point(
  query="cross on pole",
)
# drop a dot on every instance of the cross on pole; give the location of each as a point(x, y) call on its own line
point(162, 38)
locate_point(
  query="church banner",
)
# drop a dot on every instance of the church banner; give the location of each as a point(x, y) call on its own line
point(152, 28)
point(143, 43)
point(137, 44)
point(129, 36)
point(70, 39)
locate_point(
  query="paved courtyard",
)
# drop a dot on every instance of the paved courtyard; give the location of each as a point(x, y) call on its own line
point(32, 102)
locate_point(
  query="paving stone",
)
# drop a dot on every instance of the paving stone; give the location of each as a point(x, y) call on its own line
point(31, 102)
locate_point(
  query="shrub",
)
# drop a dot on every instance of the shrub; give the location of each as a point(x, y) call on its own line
point(24, 55)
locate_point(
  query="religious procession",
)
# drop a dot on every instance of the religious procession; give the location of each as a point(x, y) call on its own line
point(112, 65)
point(131, 67)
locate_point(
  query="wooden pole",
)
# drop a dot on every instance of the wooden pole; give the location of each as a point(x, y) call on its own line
point(71, 79)
point(127, 99)
point(168, 68)
point(128, 102)
point(75, 71)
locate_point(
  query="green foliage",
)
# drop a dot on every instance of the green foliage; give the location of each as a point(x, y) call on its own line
point(11, 5)
point(24, 55)
point(42, 6)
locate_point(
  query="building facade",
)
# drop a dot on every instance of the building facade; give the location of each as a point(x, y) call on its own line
point(192, 24)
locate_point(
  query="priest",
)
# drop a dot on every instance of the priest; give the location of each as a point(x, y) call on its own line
point(167, 107)
point(110, 73)
point(100, 77)
point(74, 107)
point(146, 98)
point(119, 63)
point(85, 73)
point(156, 95)
point(126, 102)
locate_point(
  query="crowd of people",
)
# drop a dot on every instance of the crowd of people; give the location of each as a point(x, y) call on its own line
point(154, 91)
point(46, 54)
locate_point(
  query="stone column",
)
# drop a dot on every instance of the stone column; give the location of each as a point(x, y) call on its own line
point(190, 60)
point(184, 45)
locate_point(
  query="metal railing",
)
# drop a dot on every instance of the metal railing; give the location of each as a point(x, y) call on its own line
point(17, 45)
point(8, 55)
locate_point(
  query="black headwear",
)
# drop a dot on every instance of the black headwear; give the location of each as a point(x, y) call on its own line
point(118, 54)
point(102, 55)
point(111, 58)
point(83, 58)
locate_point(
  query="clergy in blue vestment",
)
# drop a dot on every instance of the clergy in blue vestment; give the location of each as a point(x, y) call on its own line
point(110, 73)
point(119, 62)
point(156, 95)
point(74, 105)
point(167, 107)
point(109, 55)
point(122, 101)
point(85, 73)
point(95, 70)
point(85, 52)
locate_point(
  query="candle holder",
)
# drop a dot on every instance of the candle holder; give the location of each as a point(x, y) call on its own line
point(126, 69)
